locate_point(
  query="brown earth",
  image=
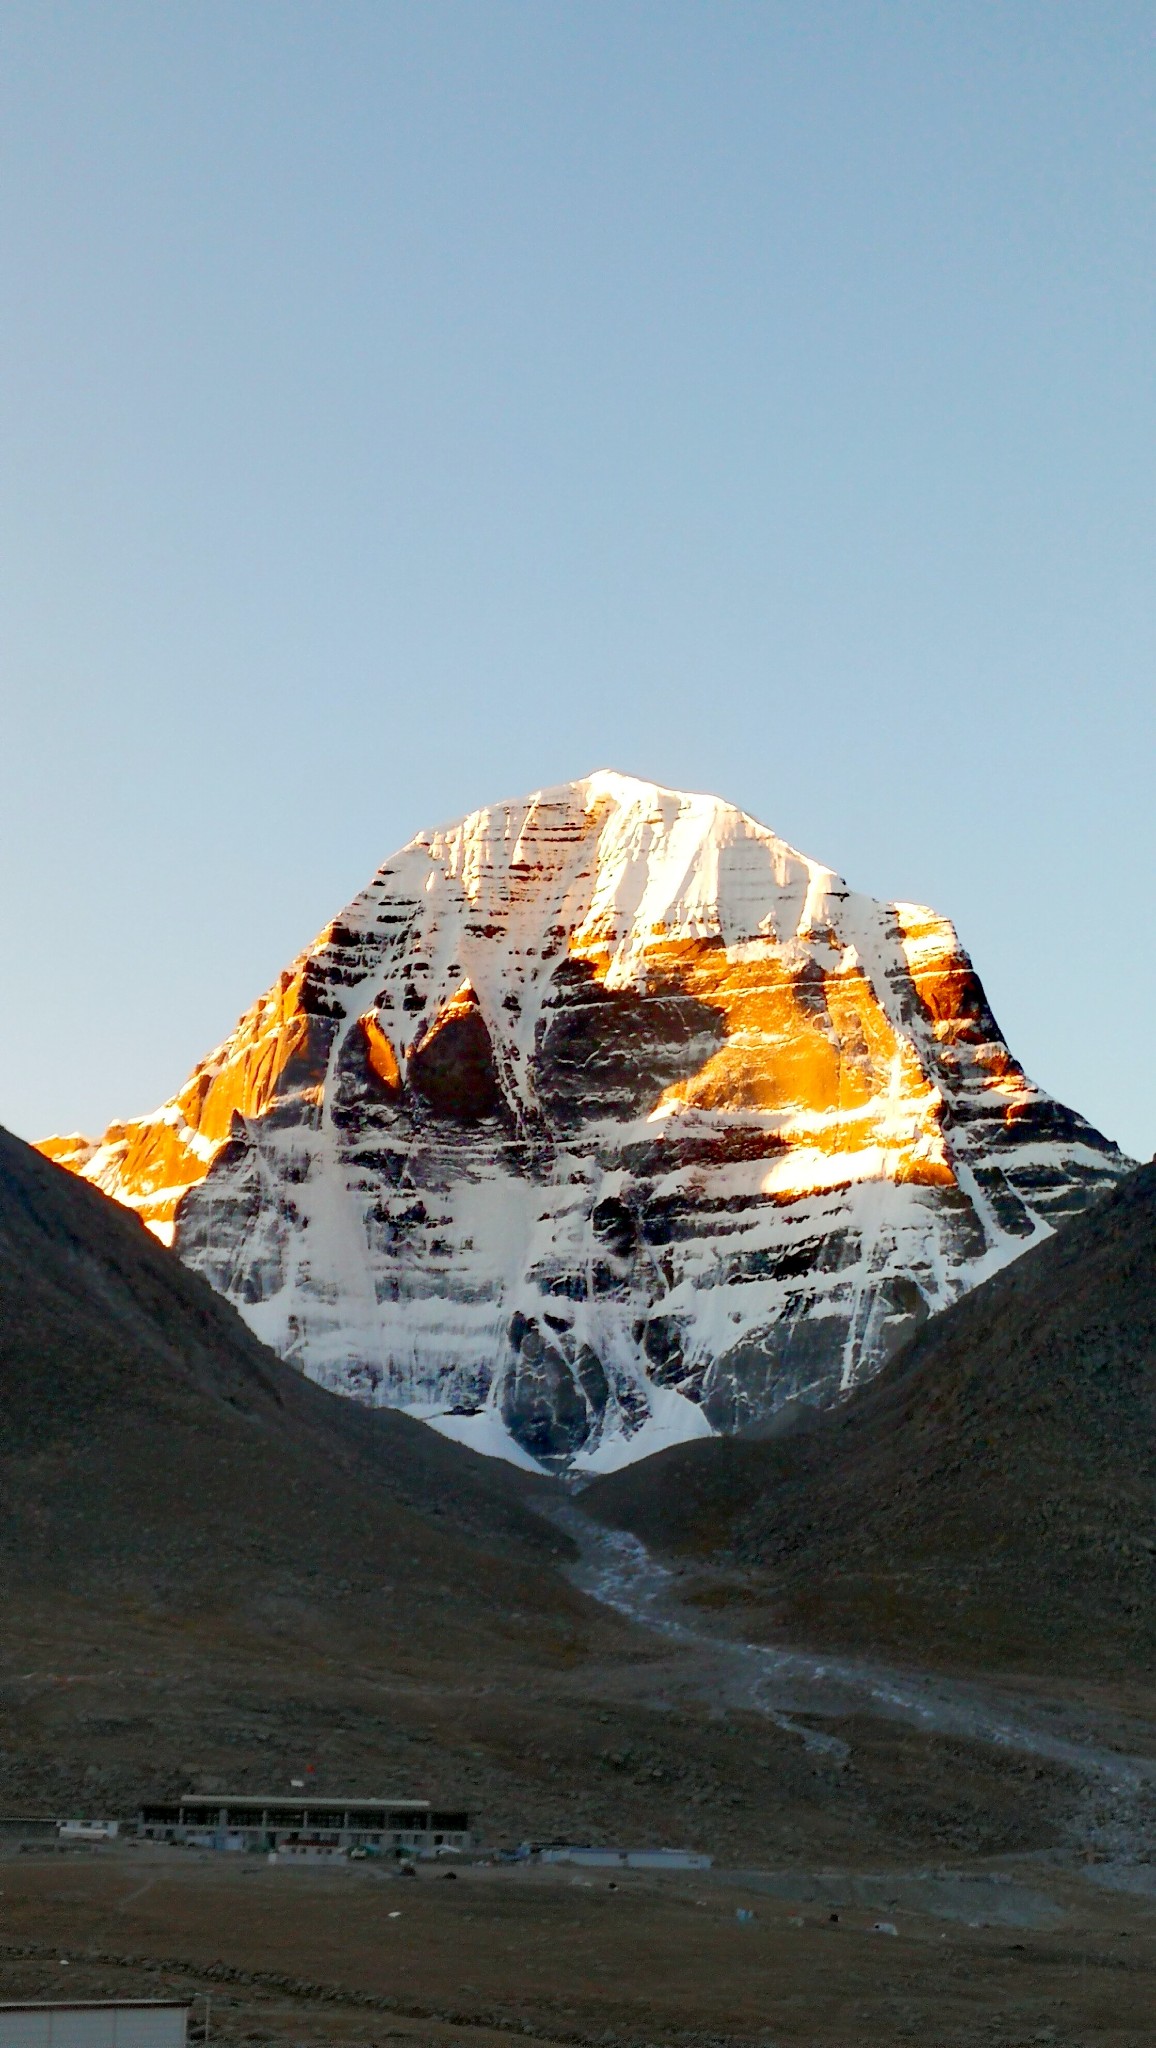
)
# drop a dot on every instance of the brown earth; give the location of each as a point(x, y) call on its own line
point(350, 1956)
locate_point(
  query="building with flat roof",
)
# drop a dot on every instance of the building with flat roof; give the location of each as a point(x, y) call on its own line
point(95, 2023)
point(259, 1821)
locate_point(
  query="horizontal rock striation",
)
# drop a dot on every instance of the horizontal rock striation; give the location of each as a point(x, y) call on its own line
point(602, 1119)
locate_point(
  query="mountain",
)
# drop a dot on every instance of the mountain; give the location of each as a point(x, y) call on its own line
point(601, 1120)
point(990, 1499)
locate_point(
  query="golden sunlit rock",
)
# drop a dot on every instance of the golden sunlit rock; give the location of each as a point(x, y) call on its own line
point(380, 1055)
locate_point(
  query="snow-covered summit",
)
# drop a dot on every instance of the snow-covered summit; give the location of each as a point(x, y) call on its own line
point(599, 1118)
point(692, 866)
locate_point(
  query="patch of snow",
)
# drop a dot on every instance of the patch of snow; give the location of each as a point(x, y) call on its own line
point(672, 1420)
point(484, 1432)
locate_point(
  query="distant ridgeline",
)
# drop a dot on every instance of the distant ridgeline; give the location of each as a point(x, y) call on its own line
point(601, 1120)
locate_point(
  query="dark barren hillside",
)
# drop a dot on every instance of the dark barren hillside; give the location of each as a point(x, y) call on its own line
point(989, 1501)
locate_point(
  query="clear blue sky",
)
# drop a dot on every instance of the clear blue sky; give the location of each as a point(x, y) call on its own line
point(403, 406)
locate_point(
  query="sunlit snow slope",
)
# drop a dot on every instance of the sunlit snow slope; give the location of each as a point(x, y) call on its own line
point(599, 1120)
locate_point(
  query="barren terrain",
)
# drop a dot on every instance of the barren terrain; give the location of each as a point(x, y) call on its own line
point(350, 1956)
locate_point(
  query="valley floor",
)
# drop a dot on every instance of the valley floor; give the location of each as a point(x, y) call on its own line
point(352, 1956)
point(643, 1717)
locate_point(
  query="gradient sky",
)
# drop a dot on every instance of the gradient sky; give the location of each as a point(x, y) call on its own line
point(406, 406)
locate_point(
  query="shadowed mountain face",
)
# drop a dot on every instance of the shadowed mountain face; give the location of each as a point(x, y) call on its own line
point(602, 1120)
point(990, 1500)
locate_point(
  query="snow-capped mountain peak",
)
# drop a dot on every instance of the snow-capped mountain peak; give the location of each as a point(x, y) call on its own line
point(600, 1118)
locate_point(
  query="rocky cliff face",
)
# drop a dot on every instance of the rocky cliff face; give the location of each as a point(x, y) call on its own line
point(600, 1120)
